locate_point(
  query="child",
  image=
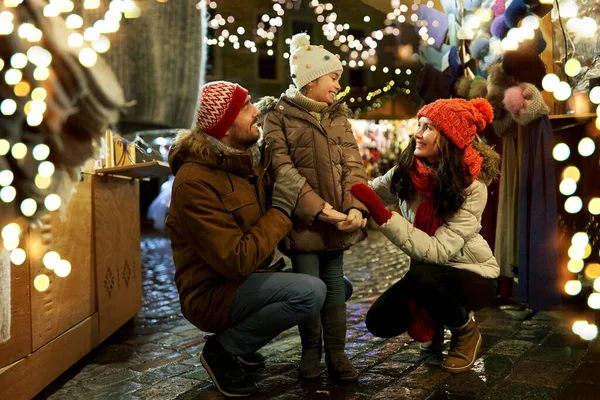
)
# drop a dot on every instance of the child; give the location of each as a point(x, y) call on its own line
point(309, 130)
point(440, 181)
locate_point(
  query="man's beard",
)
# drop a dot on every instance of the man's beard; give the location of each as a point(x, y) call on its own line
point(243, 137)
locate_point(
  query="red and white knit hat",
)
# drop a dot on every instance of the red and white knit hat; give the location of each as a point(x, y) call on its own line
point(220, 103)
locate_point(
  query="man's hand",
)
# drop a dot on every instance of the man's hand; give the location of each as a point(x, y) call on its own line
point(286, 190)
point(354, 221)
point(330, 215)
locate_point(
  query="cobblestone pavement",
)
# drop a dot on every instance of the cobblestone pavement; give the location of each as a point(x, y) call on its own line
point(524, 355)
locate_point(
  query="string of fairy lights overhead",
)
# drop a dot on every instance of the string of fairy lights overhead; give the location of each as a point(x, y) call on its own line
point(91, 40)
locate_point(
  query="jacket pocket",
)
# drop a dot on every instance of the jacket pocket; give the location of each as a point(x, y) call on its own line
point(238, 199)
point(244, 207)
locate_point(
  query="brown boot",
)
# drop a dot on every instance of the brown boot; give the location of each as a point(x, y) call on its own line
point(437, 341)
point(310, 336)
point(334, 336)
point(464, 345)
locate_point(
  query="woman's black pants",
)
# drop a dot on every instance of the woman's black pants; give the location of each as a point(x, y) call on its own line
point(447, 293)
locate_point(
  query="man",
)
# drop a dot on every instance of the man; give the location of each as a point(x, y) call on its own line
point(224, 232)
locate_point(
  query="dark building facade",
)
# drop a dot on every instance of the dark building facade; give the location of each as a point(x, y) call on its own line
point(263, 68)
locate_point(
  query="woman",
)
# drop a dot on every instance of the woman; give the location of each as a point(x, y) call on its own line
point(441, 182)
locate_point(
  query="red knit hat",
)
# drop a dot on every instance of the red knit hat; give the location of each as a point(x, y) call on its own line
point(458, 119)
point(220, 103)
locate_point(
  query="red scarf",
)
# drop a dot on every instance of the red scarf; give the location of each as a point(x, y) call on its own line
point(424, 183)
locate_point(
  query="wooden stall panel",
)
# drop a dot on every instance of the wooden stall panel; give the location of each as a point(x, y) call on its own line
point(71, 299)
point(27, 377)
point(19, 344)
point(118, 259)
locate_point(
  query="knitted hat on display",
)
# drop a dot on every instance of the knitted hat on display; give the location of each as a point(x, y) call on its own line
point(460, 120)
point(220, 103)
point(515, 12)
point(308, 62)
point(534, 71)
point(433, 84)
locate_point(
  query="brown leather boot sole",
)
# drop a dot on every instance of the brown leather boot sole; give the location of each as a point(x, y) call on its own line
point(457, 370)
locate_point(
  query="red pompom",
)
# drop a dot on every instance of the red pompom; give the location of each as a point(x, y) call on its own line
point(485, 108)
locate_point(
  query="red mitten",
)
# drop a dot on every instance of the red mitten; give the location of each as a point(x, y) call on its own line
point(370, 199)
point(421, 326)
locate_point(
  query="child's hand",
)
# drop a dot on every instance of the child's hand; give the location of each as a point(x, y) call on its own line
point(354, 221)
point(331, 216)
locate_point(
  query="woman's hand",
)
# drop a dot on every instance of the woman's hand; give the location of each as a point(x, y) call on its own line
point(370, 199)
point(354, 221)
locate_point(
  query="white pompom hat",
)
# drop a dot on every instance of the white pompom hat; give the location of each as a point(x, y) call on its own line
point(308, 62)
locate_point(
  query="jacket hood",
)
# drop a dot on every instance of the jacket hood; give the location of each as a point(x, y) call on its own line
point(490, 168)
point(179, 151)
point(190, 146)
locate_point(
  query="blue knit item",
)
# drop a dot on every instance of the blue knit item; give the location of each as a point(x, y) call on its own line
point(471, 5)
point(480, 48)
point(454, 63)
point(516, 11)
point(499, 28)
point(438, 33)
point(451, 7)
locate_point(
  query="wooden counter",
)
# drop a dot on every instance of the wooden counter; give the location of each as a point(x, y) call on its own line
point(52, 330)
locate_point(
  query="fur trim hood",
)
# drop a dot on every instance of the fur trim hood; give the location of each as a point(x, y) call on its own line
point(490, 168)
point(196, 146)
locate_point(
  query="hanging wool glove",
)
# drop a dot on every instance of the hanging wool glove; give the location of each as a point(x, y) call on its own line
point(370, 199)
point(525, 103)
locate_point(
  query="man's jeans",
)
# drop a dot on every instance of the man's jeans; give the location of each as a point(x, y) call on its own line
point(267, 304)
point(327, 265)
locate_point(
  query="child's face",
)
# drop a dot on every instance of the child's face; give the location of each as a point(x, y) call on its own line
point(325, 88)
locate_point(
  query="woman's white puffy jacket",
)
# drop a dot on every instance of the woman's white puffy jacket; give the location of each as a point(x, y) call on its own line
point(457, 243)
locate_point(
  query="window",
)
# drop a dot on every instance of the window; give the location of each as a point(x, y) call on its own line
point(267, 55)
point(301, 26)
point(356, 76)
point(211, 67)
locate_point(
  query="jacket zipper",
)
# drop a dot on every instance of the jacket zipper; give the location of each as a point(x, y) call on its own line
point(258, 199)
point(338, 205)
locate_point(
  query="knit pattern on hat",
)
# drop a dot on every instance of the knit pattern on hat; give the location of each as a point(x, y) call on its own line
point(308, 62)
point(219, 104)
point(458, 119)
